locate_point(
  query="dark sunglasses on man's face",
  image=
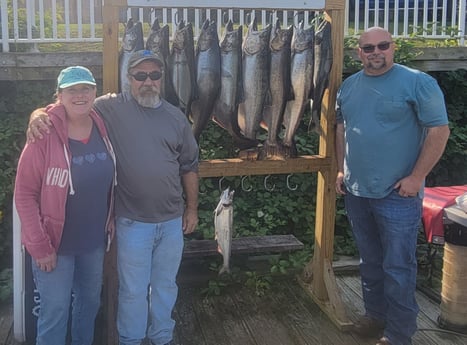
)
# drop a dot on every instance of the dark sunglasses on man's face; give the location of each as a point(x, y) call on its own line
point(142, 76)
point(370, 48)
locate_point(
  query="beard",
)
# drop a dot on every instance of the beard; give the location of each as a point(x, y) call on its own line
point(148, 96)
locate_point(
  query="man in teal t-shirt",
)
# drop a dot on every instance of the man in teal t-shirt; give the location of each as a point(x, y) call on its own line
point(392, 128)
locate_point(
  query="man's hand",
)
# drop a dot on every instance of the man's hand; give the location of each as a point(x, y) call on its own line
point(48, 263)
point(340, 183)
point(39, 124)
point(190, 220)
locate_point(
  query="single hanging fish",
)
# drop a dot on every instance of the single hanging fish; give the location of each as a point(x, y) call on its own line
point(208, 77)
point(132, 41)
point(323, 64)
point(255, 78)
point(158, 42)
point(182, 66)
point(223, 225)
point(302, 84)
point(280, 88)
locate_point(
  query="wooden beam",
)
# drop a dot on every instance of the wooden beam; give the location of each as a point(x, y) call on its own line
point(240, 167)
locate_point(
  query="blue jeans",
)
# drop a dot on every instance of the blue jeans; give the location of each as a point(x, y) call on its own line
point(385, 231)
point(80, 275)
point(148, 259)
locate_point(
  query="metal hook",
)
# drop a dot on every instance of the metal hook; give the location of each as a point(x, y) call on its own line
point(225, 18)
point(269, 189)
point(220, 183)
point(177, 22)
point(250, 188)
point(288, 183)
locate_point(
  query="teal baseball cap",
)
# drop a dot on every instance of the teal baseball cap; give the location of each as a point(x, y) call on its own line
point(74, 75)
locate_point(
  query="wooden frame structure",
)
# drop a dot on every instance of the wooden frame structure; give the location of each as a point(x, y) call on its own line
point(318, 278)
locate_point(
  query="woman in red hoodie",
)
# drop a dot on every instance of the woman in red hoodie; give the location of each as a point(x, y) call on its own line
point(64, 197)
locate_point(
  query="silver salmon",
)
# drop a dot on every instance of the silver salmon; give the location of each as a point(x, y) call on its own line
point(255, 78)
point(279, 88)
point(302, 84)
point(181, 65)
point(158, 42)
point(323, 64)
point(223, 225)
point(226, 106)
point(132, 41)
point(208, 76)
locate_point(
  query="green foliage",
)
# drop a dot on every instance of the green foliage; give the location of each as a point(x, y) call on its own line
point(259, 284)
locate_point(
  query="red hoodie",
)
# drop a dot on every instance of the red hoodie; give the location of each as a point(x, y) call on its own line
point(43, 181)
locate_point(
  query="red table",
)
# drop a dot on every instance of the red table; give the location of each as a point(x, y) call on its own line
point(436, 199)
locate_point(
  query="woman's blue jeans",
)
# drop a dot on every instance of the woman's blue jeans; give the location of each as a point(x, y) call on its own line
point(386, 231)
point(148, 259)
point(80, 275)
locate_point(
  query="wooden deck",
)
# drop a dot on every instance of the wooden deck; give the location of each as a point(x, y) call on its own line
point(285, 315)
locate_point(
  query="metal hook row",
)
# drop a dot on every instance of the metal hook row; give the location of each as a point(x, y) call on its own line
point(267, 186)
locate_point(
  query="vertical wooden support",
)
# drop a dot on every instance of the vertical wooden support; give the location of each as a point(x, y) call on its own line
point(318, 277)
point(110, 51)
point(110, 15)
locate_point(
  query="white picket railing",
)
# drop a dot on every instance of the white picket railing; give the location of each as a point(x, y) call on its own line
point(50, 21)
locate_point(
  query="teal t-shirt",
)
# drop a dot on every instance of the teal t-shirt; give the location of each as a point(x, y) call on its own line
point(385, 119)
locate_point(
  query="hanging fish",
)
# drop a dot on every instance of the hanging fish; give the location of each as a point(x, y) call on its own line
point(279, 88)
point(226, 106)
point(223, 225)
point(158, 42)
point(208, 76)
point(181, 65)
point(302, 84)
point(255, 78)
point(322, 68)
point(132, 41)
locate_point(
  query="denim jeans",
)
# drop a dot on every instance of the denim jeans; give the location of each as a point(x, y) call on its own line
point(148, 259)
point(385, 231)
point(80, 275)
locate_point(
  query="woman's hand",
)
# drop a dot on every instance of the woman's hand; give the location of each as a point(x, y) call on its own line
point(48, 263)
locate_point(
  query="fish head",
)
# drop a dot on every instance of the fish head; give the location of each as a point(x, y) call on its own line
point(303, 38)
point(226, 198)
point(232, 39)
point(155, 25)
point(280, 38)
point(208, 35)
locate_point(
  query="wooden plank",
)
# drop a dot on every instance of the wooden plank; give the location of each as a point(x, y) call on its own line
point(221, 321)
point(298, 312)
point(240, 167)
point(244, 245)
point(188, 328)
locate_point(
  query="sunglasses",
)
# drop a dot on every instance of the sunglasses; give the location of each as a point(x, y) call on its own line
point(142, 76)
point(370, 48)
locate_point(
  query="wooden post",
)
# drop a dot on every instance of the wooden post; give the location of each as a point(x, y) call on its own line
point(318, 277)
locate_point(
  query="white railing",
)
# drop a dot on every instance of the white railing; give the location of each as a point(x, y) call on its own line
point(50, 21)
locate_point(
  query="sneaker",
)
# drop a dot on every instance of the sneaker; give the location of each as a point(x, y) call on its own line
point(367, 326)
point(383, 341)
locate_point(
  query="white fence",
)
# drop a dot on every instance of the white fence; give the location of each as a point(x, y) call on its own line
point(50, 21)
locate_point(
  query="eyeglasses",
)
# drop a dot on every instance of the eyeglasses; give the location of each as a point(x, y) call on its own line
point(142, 76)
point(370, 48)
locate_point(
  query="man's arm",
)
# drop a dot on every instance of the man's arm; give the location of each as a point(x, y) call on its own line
point(190, 187)
point(432, 150)
point(39, 124)
point(340, 152)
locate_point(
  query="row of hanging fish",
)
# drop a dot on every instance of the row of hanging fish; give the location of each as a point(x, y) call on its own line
point(267, 79)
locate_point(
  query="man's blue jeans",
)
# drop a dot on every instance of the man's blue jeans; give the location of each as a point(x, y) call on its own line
point(385, 231)
point(148, 259)
point(77, 274)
